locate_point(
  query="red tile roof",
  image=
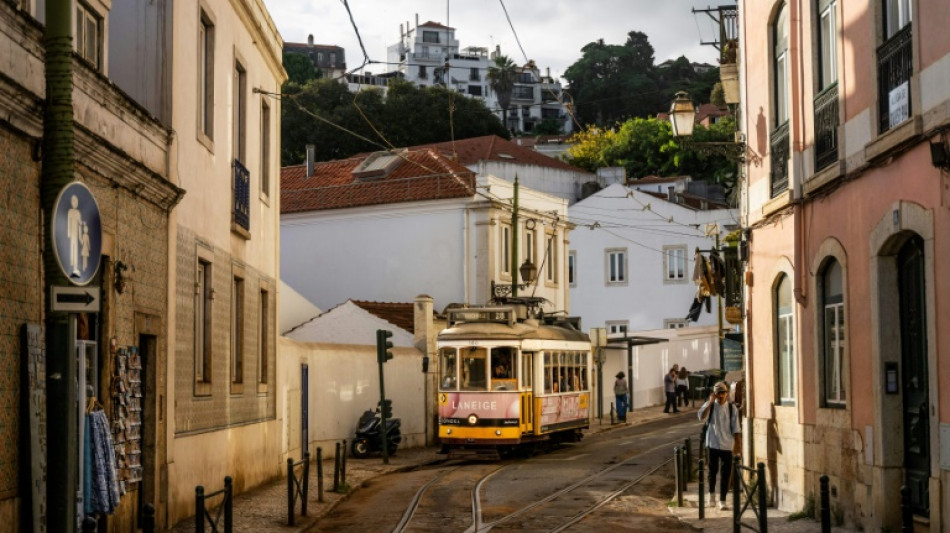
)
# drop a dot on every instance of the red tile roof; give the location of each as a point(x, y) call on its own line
point(494, 148)
point(646, 180)
point(418, 175)
point(396, 313)
point(433, 24)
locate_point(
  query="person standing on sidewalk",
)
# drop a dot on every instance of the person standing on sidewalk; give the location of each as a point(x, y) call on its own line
point(669, 386)
point(620, 391)
point(722, 439)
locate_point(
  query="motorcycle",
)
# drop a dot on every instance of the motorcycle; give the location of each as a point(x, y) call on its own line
point(368, 432)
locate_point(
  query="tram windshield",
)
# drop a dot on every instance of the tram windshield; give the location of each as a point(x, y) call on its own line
point(474, 368)
point(503, 366)
point(447, 362)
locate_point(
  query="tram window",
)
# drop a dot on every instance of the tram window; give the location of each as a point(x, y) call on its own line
point(475, 369)
point(448, 358)
point(548, 374)
point(504, 375)
point(527, 370)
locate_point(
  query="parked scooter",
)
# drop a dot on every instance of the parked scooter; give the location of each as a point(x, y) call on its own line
point(368, 432)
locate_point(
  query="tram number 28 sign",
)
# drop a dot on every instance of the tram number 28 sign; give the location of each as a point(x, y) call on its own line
point(77, 233)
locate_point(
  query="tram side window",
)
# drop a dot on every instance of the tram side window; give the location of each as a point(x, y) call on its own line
point(475, 369)
point(503, 368)
point(449, 368)
point(548, 373)
point(527, 370)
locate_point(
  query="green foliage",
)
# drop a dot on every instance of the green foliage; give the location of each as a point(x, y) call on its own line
point(407, 116)
point(717, 96)
point(501, 79)
point(299, 68)
point(807, 512)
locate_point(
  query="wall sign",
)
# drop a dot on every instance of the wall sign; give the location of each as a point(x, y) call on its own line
point(77, 233)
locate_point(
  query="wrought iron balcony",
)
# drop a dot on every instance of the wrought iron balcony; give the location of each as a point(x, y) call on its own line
point(242, 196)
point(778, 152)
point(895, 66)
point(826, 127)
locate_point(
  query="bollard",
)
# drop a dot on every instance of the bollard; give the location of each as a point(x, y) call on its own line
point(613, 414)
point(689, 460)
point(825, 505)
point(336, 469)
point(907, 512)
point(736, 493)
point(306, 482)
point(290, 491)
point(343, 465)
point(148, 518)
point(678, 468)
point(199, 509)
point(228, 505)
point(702, 489)
point(763, 508)
point(319, 474)
point(89, 525)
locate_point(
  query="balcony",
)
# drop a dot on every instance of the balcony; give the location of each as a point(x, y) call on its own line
point(894, 67)
point(778, 152)
point(826, 127)
point(242, 197)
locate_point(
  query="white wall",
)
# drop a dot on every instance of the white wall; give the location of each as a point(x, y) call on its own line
point(556, 182)
point(294, 308)
point(348, 323)
point(696, 348)
point(344, 382)
point(624, 220)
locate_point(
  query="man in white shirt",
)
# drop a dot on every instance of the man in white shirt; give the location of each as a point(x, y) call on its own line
point(722, 438)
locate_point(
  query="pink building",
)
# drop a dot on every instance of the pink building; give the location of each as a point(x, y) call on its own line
point(846, 110)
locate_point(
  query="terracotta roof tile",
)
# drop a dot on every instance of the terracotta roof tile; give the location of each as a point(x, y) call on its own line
point(494, 148)
point(433, 24)
point(419, 175)
point(396, 313)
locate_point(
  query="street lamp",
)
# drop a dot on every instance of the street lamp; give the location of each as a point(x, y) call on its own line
point(682, 115)
point(682, 120)
point(529, 273)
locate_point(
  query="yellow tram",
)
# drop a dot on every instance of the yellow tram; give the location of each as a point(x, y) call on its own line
point(507, 380)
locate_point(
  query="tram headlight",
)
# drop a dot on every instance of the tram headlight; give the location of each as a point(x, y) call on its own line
point(448, 431)
point(472, 419)
point(498, 432)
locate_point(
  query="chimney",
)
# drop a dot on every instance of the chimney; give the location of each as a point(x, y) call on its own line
point(401, 33)
point(547, 71)
point(417, 20)
point(670, 195)
point(310, 40)
point(311, 155)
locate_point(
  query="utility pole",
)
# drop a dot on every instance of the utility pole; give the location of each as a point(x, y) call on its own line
point(514, 240)
point(722, 356)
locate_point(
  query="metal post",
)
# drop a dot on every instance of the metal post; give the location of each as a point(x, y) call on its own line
point(722, 356)
point(702, 489)
point(689, 460)
point(343, 464)
point(514, 237)
point(148, 518)
point(199, 509)
point(907, 512)
point(736, 493)
point(825, 507)
point(290, 491)
point(306, 482)
point(229, 505)
point(600, 388)
point(336, 469)
point(678, 468)
point(319, 474)
point(763, 508)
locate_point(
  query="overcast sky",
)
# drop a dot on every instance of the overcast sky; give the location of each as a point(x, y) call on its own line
point(551, 32)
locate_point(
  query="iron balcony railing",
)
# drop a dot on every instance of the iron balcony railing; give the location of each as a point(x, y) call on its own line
point(894, 67)
point(779, 155)
point(242, 196)
point(826, 127)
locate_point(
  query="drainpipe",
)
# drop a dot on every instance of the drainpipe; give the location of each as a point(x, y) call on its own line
point(58, 170)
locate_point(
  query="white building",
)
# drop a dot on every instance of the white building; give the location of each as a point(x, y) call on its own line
point(632, 269)
point(429, 54)
point(388, 227)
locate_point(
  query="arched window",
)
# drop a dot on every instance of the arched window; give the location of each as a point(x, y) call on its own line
point(785, 342)
point(833, 335)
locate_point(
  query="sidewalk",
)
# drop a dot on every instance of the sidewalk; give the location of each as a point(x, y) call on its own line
point(265, 508)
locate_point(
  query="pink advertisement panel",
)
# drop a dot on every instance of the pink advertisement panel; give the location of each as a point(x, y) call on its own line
point(559, 409)
point(456, 407)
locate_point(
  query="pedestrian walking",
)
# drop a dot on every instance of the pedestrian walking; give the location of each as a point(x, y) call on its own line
point(682, 387)
point(620, 391)
point(669, 386)
point(722, 439)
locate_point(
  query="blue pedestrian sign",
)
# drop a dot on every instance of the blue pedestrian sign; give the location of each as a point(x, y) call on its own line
point(77, 233)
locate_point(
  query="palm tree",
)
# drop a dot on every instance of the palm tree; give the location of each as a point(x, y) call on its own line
point(501, 79)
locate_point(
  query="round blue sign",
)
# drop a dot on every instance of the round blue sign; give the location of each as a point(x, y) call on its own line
point(77, 233)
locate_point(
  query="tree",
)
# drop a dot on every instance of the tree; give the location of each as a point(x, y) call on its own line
point(299, 68)
point(501, 79)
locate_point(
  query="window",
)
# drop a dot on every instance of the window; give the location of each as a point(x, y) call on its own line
point(422, 71)
point(237, 330)
point(616, 266)
point(617, 327)
point(522, 92)
point(550, 267)
point(430, 36)
point(895, 65)
point(203, 298)
point(897, 14)
point(240, 111)
point(206, 76)
point(826, 99)
point(505, 249)
point(785, 341)
point(264, 348)
point(827, 42)
point(265, 149)
point(833, 335)
point(475, 90)
point(780, 66)
point(88, 41)
point(572, 268)
point(674, 258)
point(474, 369)
point(529, 254)
point(447, 359)
point(474, 74)
point(674, 323)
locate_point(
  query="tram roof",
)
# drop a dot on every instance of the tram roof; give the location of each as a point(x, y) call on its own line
point(489, 331)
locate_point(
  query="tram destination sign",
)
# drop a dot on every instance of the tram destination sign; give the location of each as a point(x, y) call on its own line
point(75, 299)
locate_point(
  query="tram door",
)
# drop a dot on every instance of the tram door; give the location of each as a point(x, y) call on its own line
point(527, 398)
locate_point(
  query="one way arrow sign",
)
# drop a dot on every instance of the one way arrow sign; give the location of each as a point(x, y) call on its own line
point(75, 299)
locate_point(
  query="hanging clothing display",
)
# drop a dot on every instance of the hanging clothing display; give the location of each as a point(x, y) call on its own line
point(709, 276)
point(100, 482)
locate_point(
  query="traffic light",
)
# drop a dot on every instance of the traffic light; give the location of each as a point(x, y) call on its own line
point(384, 346)
point(386, 409)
